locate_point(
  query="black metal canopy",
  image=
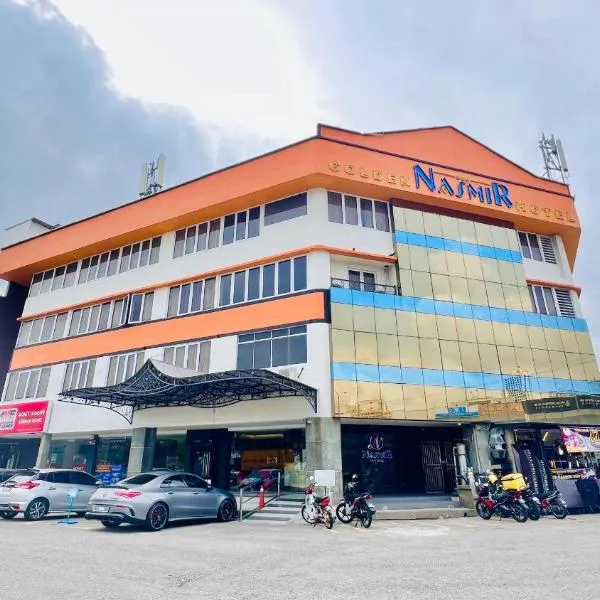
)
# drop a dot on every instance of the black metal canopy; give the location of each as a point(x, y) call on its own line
point(159, 384)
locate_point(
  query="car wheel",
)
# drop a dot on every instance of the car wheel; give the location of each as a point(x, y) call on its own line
point(36, 510)
point(110, 524)
point(8, 514)
point(226, 510)
point(157, 517)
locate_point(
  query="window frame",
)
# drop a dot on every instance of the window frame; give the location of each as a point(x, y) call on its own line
point(535, 291)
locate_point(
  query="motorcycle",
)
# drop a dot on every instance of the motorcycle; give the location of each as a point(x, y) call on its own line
point(317, 509)
point(355, 506)
point(534, 509)
point(552, 503)
point(491, 500)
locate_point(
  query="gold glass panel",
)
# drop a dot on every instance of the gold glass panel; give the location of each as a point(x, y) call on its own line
point(525, 299)
point(341, 316)
point(456, 396)
point(502, 334)
point(441, 287)
point(432, 224)
point(512, 297)
point(473, 268)
point(450, 228)
point(500, 237)
point(477, 395)
point(345, 395)
point(364, 318)
point(387, 350)
point(507, 273)
point(519, 335)
point(489, 358)
point(414, 397)
point(575, 364)
point(489, 266)
point(591, 367)
point(368, 391)
point(414, 221)
point(369, 403)
point(467, 231)
point(569, 340)
point(525, 360)
point(446, 327)
point(431, 357)
point(495, 294)
point(553, 338)
point(419, 259)
point(399, 218)
point(558, 360)
point(537, 338)
point(366, 348)
point(477, 291)
point(456, 264)
point(484, 331)
point(483, 232)
point(469, 354)
point(513, 240)
point(406, 323)
point(584, 342)
point(417, 415)
point(541, 360)
point(435, 398)
point(385, 320)
point(410, 354)
point(437, 261)
point(406, 282)
point(427, 325)
point(392, 399)
point(459, 290)
point(342, 343)
point(403, 254)
point(422, 284)
point(465, 328)
point(450, 356)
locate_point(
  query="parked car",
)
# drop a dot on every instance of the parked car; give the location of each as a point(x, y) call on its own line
point(265, 477)
point(37, 492)
point(156, 498)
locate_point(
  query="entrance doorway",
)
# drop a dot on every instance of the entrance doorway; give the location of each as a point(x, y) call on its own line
point(438, 467)
point(209, 454)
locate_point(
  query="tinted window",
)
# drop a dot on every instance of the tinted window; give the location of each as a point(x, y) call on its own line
point(300, 273)
point(62, 477)
point(228, 229)
point(254, 222)
point(225, 290)
point(334, 207)
point(254, 283)
point(141, 479)
point(239, 287)
point(268, 281)
point(195, 482)
point(79, 478)
point(284, 277)
point(283, 210)
point(366, 213)
point(175, 481)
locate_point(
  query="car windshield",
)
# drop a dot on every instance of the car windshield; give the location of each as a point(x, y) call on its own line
point(21, 477)
point(140, 479)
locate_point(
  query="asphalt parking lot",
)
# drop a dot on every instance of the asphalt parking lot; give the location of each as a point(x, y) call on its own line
point(442, 559)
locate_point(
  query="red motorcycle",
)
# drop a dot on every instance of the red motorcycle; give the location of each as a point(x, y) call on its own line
point(490, 501)
point(317, 509)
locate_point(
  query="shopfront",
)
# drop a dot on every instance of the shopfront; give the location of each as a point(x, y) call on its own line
point(21, 425)
point(401, 460)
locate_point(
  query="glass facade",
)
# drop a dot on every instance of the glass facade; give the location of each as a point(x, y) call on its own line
point(112, 459)
point(171, 452)
point(73, 454)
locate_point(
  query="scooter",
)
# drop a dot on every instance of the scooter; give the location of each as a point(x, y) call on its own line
point(317, 509)
point(355, 506)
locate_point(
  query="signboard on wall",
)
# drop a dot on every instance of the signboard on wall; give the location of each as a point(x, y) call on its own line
point(581, 439)
point(25, 417)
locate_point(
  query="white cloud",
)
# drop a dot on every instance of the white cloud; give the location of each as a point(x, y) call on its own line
point(236, 65)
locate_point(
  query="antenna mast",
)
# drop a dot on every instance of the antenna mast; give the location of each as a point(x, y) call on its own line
point(555, 163)
point(152, 176)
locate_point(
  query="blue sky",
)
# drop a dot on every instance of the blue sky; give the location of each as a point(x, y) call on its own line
point(99, 86)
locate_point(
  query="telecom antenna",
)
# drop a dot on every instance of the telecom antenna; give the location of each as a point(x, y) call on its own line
point(555, 163)
point(152, 176)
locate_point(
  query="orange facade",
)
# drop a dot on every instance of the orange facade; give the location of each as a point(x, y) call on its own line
point(440, 167)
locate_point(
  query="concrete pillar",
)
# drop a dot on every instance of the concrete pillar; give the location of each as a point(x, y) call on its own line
point(43, 454)
point(479, 448)
point(324, 449)
point(141, 453)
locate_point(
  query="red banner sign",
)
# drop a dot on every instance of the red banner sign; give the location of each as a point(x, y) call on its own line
point(26, 417)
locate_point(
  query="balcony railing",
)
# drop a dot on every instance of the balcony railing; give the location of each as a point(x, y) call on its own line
point(363, 286)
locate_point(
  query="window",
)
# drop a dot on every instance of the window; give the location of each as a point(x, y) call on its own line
point(551, 301)
point(229, 229)
point(79, 375)
point(140, 307)
point(122, 366)
point(174, 481)
point(81, 478)
point(273, 348)
point(225, 297)
point(27, 384)
point(42, 330)
point(345, 209)
point(194, 356)
point(361, 281)
point(54, 279)
point(286, 209)
point(537, 247)
point(193, 481)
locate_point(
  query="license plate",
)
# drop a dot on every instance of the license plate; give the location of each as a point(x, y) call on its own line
point(100, 508)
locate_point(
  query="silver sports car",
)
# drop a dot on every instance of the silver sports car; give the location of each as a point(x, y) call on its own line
point(156, 498)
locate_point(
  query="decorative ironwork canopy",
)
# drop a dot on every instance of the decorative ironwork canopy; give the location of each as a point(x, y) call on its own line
point(159, 384)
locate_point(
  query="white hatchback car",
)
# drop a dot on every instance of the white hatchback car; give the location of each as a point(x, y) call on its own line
point(37, 492)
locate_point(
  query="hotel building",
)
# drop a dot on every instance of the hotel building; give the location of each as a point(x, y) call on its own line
point(358, 302)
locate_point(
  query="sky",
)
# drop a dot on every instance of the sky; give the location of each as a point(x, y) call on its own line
point(95, 88)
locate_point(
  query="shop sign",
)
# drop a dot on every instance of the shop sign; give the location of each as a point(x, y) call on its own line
point(588, 403)
point(581, 439)
point(375, 452)
point(550, 405)
point(457, 412)
point(365, 173)
point(27, 417)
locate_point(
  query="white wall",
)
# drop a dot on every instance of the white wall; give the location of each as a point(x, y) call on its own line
point(23, 231)
point(312, 229)
point(559, 273)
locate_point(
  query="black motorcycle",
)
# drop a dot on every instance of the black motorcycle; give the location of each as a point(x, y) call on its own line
point(355, 506)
